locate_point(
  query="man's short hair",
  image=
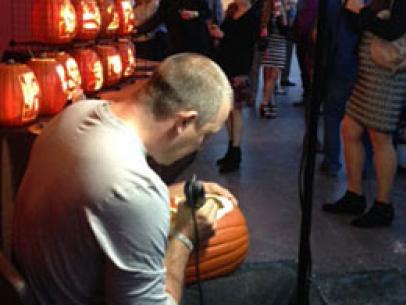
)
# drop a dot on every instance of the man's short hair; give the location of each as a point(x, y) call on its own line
point(188, 81)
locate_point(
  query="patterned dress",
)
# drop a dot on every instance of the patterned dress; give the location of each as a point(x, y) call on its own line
point(379, 95)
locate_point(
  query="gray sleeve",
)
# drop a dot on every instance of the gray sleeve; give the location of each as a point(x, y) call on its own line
point(131, 228)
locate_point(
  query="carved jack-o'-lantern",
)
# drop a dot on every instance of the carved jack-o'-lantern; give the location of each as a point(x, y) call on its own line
point(127, 18)
point(53, 21)
point(19, 94)
point(110, 20)
point(52, 82)
point(88, 17)
point(226, 250)
point(90, 68)
point(111, 62)
point(126, 50)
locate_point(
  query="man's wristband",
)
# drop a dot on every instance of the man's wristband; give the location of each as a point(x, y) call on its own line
point(184, 239)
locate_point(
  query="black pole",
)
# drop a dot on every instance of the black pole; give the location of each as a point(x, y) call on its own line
point(309, 156)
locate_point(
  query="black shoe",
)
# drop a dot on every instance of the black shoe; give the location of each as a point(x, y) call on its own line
point(287, 83)
point(232, 162)
point(350, 203)
point(222, 160)
point(379, 215)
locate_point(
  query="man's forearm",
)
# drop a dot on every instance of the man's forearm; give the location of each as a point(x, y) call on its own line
point(176, 259)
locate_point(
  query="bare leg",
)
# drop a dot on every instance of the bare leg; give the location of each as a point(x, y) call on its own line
point(237, 127)
point(385, 163)
point(354, 153)
point(270, 77)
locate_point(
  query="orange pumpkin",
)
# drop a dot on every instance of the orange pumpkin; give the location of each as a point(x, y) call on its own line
point(127, 17)
point(90, 68)
point(53, 21)
point(73, 78)
point(126, 49)
point(52, 82)
point(110, 20)
point(111, 62)
point(226, 250)
point(19, 94)
point(88, 17)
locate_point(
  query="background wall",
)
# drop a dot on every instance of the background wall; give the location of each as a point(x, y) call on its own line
point(5, 23)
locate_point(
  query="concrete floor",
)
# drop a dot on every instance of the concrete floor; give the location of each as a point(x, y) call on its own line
point(267, 188)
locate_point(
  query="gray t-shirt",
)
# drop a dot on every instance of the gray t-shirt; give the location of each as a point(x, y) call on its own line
point(92, 218)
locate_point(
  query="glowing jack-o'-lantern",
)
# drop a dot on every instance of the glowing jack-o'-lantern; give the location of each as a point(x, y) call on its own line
point(127, 52)
point(111, 62)
point(73, 78)
point(226, 250)
point(88, 17)
point(52, 82)
point(19, 94)
point(127, 17)
point(90, 68)
point(53, 21)
point(110, 20)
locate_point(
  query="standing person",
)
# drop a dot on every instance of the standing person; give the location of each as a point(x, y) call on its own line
point(342, 38)
point(304, 25)
point(186, 22)
point(291, 10)
point(236, 50)
point(273, 23)
point(375, 106)
point(92, 223)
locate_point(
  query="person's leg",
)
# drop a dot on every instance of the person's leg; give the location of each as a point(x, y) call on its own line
point(233, 158)
point(270, 77)
point(353, 201)
point(354, 153)
point(229, 128)
point(381, 213)
point(385, 163)
point(286, 69)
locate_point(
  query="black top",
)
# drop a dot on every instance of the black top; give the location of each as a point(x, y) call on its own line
point(236, 49)
point(184, 35)
point(390, 29)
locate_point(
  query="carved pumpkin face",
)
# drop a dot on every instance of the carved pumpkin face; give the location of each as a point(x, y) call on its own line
point(73, 78)
point(110, 20)
point(53, 21)
point(90, 69)
point(19, 94)
point(127, 52)
point(111, 62)
point(89, 20)
point(52, 81)
point(127, 18)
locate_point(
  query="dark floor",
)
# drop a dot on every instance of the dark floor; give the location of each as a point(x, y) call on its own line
point(266, 187)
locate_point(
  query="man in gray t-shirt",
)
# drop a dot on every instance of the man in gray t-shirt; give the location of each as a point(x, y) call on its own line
point(92, 218)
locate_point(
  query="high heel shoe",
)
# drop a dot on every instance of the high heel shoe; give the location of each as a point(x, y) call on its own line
point(267, 111)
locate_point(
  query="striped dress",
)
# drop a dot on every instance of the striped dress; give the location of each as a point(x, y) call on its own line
point(379, 95)
point(274, 56)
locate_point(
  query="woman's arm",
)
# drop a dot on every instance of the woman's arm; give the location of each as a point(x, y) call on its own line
point(389, 29)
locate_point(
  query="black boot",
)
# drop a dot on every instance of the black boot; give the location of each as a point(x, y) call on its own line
point(220, 161)
point(379, 215)
point(350, 203)
point(232, 162)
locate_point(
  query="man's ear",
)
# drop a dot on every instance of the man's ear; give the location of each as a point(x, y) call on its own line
point(184, 118)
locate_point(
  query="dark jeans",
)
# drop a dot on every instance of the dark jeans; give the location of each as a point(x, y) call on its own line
point(338, 93)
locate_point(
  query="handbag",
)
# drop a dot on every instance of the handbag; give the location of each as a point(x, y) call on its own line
point(390, 55)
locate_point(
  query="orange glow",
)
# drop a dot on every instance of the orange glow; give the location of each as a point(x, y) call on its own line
point(62, 76)
point(67, 23)
point(73, 74)
point(30, 90)
point(114, 65)
point(128, 16)
point(131, 63)
point(91, 17)
point(97, 71)
point(115, 22)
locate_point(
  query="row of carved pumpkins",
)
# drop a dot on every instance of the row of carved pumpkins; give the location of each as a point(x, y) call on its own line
point(43, 85)
point(60, 21)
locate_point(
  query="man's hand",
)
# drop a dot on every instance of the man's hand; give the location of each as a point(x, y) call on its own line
point(217, 189)
point(188, 14)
